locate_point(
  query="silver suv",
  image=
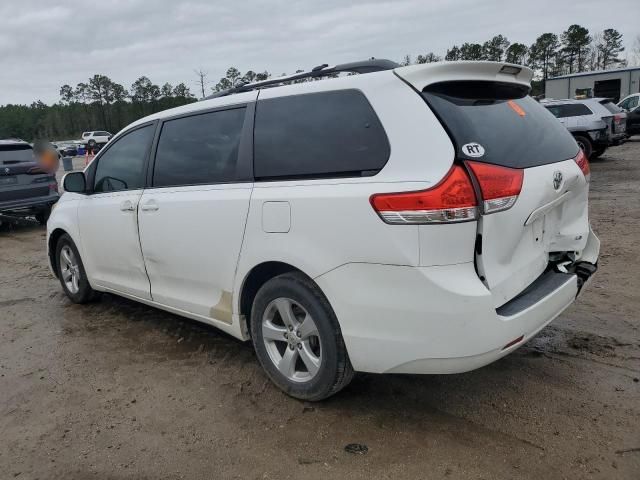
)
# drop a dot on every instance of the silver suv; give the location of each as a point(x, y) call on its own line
point(596, 123)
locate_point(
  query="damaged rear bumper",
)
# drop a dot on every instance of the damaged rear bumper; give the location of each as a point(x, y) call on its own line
point(442, 319)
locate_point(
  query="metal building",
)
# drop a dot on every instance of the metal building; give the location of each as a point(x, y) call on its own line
point(615, 84)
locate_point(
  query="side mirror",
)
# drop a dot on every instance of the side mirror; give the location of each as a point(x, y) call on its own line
point(75, 182)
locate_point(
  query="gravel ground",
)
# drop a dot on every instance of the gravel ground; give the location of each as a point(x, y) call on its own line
point(117, 390)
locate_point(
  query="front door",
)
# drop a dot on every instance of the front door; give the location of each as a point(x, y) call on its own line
point(193, 217)
point(108, 216)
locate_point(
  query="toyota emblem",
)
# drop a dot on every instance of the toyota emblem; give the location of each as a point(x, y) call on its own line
point(557, 180)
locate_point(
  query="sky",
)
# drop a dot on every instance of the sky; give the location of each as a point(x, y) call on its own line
point(45, 44)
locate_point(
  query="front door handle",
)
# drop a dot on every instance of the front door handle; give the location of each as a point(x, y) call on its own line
point(127, 206)
point(150, 206)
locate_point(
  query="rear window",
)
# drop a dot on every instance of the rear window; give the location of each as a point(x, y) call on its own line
point(318, 135)
point(16, 153)
point(612, 107)
point(512, 128)
point(569, 110)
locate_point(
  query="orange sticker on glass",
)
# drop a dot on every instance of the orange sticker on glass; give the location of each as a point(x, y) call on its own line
point(516, 108)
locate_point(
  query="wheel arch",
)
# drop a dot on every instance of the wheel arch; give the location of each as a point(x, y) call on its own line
point(255, 278)
point(52, 243)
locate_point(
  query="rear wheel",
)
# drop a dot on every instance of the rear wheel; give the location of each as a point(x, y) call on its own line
point(598, 151)
point(71, 273)
point(43, 216)
point(297, 338)
point(585, 144)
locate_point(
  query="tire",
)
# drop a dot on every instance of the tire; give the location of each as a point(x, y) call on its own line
point(43, 215)
point(598, 152)
point(296, 294)
point(585, 144)
point(92, 143)
point(84, 293)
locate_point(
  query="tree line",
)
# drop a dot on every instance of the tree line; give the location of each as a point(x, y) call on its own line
point(98, 104)
point(574, 50)
point(102, 104)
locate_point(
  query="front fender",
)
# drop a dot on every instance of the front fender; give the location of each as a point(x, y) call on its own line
point(63, 219)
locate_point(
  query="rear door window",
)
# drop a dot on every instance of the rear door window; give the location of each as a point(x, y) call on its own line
point(569, 110)
point(318, 135)
point(199, 149)
point(512, 128)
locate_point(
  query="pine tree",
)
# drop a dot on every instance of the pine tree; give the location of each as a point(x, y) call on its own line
point(575, 45)
point(495, 48)
point(516, 53)
point(453, 54)
point(610, 48)
point(543, 53)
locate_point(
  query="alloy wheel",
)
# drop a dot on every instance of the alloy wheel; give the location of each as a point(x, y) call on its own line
point(69, 269)
point(291, 338)
point(581, 145)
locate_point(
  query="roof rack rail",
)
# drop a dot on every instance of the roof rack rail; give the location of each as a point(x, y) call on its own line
point(324, 70)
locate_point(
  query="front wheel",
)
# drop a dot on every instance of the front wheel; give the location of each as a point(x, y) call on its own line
point(585, 145)
point(297, 338)
point(71, 273)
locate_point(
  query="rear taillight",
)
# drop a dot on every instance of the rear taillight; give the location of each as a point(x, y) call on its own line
point(452, 200)
point(583, 163)
point(500, 186)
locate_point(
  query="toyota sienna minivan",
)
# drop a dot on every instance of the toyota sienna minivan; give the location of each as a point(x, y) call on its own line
point(423, 219)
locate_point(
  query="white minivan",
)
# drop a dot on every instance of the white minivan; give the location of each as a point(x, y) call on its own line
point(421, 219)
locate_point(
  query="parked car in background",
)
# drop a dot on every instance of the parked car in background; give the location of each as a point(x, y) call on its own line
point(631, 105)
point(595, 123)
point(615, 116)
point(57, 149)
point(25, 188)
point(68, 149)
point(422, 219)
point(91, 139)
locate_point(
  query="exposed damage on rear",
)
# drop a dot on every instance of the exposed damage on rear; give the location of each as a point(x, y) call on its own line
point(519, 184)
point(530, 178)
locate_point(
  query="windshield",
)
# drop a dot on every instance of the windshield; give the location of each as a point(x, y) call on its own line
point(510, 128)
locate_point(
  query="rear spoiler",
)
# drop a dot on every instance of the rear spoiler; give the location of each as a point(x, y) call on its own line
point(420, 76)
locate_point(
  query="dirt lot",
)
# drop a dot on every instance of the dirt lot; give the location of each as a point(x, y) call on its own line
point(118, 390)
